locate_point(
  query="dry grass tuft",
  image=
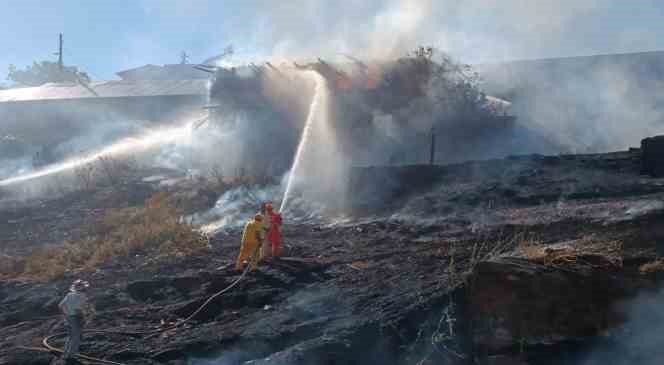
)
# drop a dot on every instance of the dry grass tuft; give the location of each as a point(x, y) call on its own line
point(9, 265)
point(463, 258)
point(153, 230)
point(586, 252)
point(652, 267)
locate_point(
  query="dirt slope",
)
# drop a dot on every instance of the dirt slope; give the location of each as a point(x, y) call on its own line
point(377, 288)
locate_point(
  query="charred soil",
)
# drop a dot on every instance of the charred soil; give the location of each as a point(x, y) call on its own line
point(526, 260)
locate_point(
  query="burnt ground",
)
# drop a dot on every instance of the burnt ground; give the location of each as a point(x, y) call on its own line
point(431, 270)
point(25, 225)
point(64, 215)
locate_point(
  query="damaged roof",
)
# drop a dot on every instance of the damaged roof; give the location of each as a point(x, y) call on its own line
point(106, 89)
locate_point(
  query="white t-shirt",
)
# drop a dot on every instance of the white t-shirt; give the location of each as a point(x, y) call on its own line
point(73, 303)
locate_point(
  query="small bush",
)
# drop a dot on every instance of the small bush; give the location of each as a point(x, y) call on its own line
point(85, 176)
point(115, 170)
point(153, 230)
point(216, 179)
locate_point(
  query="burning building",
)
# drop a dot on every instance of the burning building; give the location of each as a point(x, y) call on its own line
point(382, 112)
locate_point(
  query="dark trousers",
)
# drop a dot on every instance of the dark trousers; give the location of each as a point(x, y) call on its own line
point(75, 329)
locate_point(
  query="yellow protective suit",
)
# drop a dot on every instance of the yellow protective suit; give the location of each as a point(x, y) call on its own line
point(250, 247)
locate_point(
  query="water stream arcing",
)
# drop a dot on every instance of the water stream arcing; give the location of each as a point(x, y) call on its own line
point(123, 146)
point(317, 111)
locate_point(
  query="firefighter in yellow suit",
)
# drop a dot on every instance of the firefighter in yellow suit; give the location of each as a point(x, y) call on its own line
point(251, 243)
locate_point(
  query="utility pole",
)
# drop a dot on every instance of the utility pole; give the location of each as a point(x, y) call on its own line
point(184, 58)
point(59, 53)
point(432, 153)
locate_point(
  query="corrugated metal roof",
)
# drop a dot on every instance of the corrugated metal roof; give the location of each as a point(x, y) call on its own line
point(106, 89)
point(165, 72)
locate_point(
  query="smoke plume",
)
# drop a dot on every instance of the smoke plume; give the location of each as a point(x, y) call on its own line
point(637, 341)
point(594, 108)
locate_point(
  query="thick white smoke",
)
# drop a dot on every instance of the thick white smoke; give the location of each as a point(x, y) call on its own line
point(588, 104)
point(476, 31)
point(317, 166)
point(638, 339)
point(473, 30)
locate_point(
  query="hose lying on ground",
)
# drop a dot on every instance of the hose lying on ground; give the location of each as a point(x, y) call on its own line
point(47, 340)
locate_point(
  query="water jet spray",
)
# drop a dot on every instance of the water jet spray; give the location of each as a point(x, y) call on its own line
point(318, 101)
point(126, 145)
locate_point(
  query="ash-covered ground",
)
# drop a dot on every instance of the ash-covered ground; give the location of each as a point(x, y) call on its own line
point(524, 260)
point(434, 212)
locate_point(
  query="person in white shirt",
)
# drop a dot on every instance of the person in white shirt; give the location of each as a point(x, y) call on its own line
point(73, 306)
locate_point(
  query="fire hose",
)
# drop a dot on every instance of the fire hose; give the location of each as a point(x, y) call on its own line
point(46, 342)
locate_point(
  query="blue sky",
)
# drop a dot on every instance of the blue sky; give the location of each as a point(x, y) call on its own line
point(105, 36)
